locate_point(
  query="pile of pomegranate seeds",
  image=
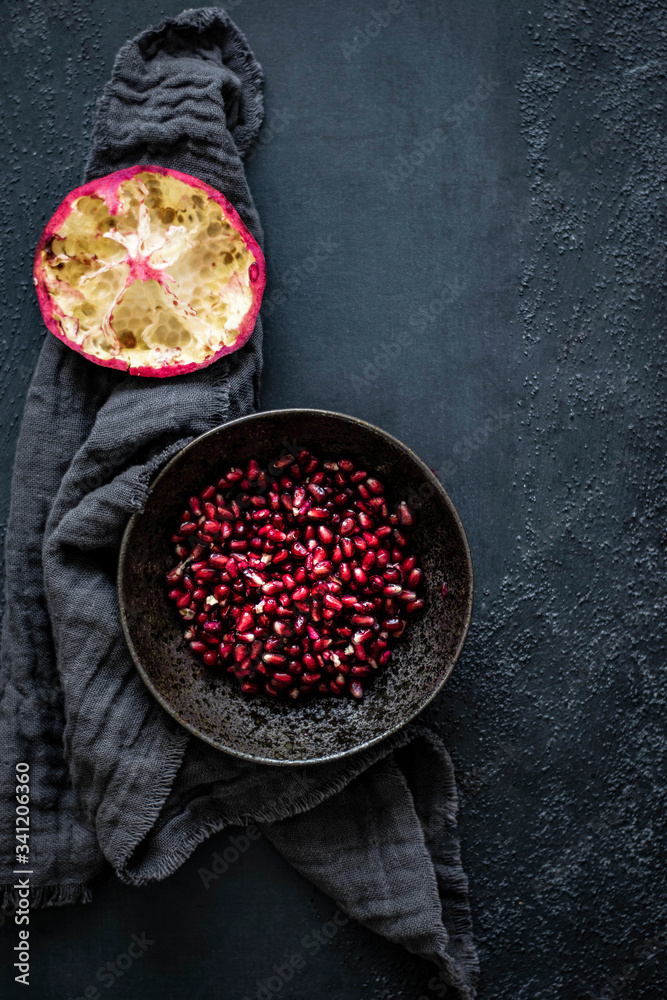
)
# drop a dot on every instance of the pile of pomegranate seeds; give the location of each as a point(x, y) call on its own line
point(296, 581)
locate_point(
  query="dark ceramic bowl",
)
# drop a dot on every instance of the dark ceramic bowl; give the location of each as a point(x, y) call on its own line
point(211, 705)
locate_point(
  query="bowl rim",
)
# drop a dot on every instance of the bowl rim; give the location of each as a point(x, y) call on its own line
point(429, 475)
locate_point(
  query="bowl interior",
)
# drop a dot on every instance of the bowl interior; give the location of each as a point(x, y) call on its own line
point(210, 704)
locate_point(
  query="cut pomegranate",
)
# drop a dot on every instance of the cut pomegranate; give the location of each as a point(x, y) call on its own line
point(151, 271)
point(295, 599)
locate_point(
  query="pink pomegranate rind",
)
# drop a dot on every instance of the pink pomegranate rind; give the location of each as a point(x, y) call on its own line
point(163, 277)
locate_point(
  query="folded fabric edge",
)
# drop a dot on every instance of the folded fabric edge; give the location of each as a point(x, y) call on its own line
point(61, 894)
point(101, 157)
point(190, 840)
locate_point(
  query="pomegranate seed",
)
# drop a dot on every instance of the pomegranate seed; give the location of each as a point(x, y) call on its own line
point(361, 670)
point(261, 515)
point(274, 659)
point(279, 579)
point(318, 513)
point(245, 622)
point(367, 561)
point(282, 629)
point(405, 516)
point(347, 547)
point(444, 590)
point(412, 606)
point(281, 680)
point(362, 620)
point(326, 536)
point(299, 551)
point(362, 636)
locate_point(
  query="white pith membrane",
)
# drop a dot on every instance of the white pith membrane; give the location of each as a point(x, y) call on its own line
point(183, 312)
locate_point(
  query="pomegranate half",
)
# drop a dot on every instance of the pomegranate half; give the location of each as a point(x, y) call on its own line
point(151, 271)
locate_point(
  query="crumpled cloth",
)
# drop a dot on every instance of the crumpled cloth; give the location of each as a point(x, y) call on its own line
point(114, 780)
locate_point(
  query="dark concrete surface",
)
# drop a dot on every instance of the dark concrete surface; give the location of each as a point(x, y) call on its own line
point(495, 298)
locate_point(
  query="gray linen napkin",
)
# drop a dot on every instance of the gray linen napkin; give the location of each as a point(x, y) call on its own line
point(114, 780)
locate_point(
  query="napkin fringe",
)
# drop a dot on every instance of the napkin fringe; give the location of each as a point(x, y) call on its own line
point(46, 895)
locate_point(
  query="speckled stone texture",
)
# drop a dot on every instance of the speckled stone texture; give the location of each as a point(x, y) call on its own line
point(464, 211)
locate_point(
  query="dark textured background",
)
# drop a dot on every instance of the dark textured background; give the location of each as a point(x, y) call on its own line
point(533, 234)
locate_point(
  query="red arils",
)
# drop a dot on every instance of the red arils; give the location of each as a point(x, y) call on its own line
point(404, 514)
point(296, 581)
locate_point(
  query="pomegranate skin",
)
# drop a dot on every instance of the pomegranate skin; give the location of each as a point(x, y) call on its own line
point(107, 188)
